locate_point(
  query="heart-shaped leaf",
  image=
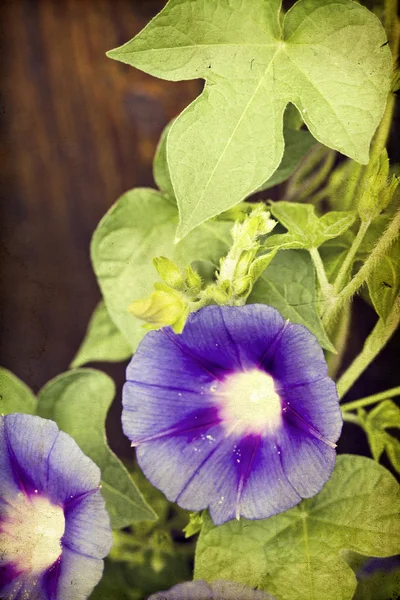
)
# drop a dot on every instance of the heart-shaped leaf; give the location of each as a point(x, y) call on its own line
point(103, 340)
point(296, 555)
point(140, 226)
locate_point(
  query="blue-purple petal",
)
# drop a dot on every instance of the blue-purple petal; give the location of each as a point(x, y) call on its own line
point(78, 576)
point(86, 526)
point(298, 358)
point(42, 466)
point(265, 489)
point(217, 590)
point(189, 417)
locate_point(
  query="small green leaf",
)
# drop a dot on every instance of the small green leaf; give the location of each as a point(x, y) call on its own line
point(305, 229)
point(78, 401)
point(288, 284)
point(375, 423)
point(253, 69)
point(15, 396)
point(103, 341)
point(259, 265)
point(296, 555)
point(195, 524)
point(384, 282)
point(161, 169)
point(138, 227)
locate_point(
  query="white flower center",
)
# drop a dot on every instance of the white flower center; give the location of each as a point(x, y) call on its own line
point(248, 402)
point(31, 532)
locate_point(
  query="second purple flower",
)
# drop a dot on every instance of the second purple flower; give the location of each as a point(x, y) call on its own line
point(237, 414)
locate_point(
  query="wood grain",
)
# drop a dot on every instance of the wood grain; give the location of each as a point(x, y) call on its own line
point(78, 130)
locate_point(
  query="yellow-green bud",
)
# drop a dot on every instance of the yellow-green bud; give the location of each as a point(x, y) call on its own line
point(379, 191)
point(163, 307)
point(192, 280)
point(169, 272)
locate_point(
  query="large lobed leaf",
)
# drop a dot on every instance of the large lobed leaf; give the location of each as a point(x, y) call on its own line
point(78, 401)
point(140, 226)
point(296, 555)
point(328, 58)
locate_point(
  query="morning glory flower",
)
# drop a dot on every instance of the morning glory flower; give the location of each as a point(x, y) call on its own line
point(236, 414)
point(54, 527)
point(218, 590)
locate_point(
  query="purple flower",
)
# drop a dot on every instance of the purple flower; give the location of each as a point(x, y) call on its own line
point(237, 413)
point(54, 528)
point(218, 590)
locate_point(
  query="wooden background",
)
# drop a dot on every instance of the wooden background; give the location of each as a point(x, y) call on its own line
point(78, 129)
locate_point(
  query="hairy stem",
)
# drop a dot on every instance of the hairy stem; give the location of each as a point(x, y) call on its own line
point(380, 250)
point(374, 399)
point(350, 418)
point(348, 261)
point(326, 287)
point(339, 340)
point(374, 343)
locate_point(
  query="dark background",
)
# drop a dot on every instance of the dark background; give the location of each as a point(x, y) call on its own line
point(78, 130)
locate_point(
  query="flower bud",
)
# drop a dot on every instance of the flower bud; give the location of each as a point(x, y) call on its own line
point(169, 272)
point(163, 307)
point(192, 280)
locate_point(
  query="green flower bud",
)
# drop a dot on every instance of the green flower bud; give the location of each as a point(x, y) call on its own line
point(379, 191)
point(242, 286)
point(169, 272)
point(192, 280)
point(163, 307)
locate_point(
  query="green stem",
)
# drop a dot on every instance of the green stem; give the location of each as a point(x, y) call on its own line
point(374, 343)
point(339, 340)
point(348, 261)
point(380, 250)
point(316, 181)
point(350, 418)
point(392, 26)
point(304, 183)
point(319, 196)
point(374, 399)
point(326, 287)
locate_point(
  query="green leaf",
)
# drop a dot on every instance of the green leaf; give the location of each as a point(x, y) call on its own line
point(333, 253)
point(296, 555)
point(103, 341)
point(78, 401)
point(371, 238)
point(384, 282)
point(297, 143)
point(305, 229)
point(15, 396)
point(138, 227)
point(375, 423)
point(288, 284)
point(161, 169)
point(253, 69)
point(382, 585)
